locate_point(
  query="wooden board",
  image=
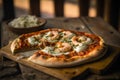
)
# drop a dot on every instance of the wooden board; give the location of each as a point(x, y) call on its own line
point(72, 72)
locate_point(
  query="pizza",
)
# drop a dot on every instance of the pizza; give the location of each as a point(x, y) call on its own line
point(58, 47)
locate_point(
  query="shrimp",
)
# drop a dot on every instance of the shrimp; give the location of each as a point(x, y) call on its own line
point(63, 47)
point(54, 35)
point(75, 40)
point(67, 34)
point(80, 40)
point(51, 36)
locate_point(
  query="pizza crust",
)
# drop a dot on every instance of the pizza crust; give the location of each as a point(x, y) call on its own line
point(14, 45)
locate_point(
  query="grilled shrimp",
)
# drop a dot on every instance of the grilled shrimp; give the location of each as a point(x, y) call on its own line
point(80, 39)
point(67, 34)
point(75, 40)
point(51, 36)
point(63, 47)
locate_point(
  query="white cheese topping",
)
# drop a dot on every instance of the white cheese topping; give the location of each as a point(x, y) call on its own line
point(88, 41)
point(85, 40)
point(82, 38)
point(56, 54)
point(32, 41)
point(37, 36)
point(49, 34)
point(83, 43)
point(51, 51)
point(66, 53)
point(48, 49)
point(59, 53)
point(80, 48)
point(45, 50)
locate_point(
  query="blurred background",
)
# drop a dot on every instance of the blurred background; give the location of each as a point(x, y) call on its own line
point(109, 10)
point(71, 8)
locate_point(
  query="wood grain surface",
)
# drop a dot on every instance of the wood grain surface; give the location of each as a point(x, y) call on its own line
point(91, 25)
point(68, 73)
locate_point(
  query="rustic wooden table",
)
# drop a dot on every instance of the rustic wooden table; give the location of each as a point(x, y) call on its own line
point(85, 24)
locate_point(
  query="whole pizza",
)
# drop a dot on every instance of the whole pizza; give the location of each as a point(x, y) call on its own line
point(59, 47)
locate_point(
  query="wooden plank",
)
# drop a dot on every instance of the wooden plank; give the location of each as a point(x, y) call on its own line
point(101, 28)
point(29, 73)
point(107, 10)
point(6, 34)
point(0, 34)
point(71, 72)
point(100, 4)
point(59, 8)
point(1, 61)
point(67, 23)
point(8, 9)
point(114, 13)
point(34, 7)
point(84, 7)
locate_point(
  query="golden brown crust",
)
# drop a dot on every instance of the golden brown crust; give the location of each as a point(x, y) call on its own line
point(15, 45)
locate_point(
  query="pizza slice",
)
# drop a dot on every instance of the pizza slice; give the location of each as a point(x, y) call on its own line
point(26, 42)
point(35, 40)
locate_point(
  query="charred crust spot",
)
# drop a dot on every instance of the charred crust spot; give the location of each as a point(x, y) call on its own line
point(73, 72)
point(37, 55)
point(81, 53)
point(67, 56)
point(77, 28)
point(44, 57)
point(66, 72)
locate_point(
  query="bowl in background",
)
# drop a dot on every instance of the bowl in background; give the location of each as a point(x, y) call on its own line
point(24, 30)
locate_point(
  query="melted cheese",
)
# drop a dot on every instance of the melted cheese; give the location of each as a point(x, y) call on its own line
point(85, 40)
point(56, 54)
point(82, 38)
point(48, 49)
point(88, 41)
point(38, 36)
point(66, 53)
point(59, 53)
point(51, 51)
point(80, 48)
point(32, 41)
point(83, 43)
